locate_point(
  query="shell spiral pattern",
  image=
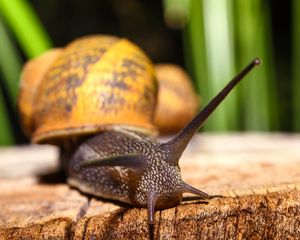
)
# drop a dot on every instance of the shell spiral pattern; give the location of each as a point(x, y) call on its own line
point(95, 83)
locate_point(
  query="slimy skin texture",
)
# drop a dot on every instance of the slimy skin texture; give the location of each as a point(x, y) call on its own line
point(153, 174)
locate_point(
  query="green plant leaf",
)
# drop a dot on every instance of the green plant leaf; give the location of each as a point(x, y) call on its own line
point(26, 26)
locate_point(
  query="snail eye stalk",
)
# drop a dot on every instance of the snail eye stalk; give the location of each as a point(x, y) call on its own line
point(178, 144)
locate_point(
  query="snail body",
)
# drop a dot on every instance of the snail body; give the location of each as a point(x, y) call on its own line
point(118, 158)
point(142, 169)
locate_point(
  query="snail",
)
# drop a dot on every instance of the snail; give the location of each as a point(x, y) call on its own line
point(109, 147)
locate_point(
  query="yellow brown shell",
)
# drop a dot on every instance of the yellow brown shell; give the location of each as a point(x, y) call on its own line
point(94, 83)
point(32, 74)
point(177, 100)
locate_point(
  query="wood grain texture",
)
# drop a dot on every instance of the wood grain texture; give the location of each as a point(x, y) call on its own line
point(254, 180)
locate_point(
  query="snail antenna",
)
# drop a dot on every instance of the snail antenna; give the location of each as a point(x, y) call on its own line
point(151, 207)
point(178, 144)
point(189, 189)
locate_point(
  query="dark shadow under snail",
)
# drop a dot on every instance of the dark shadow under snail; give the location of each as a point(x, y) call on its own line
point(134, 168)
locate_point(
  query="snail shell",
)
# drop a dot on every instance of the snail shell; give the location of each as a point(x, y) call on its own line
point(177, 100)
point(100, 82)
point(92, 84)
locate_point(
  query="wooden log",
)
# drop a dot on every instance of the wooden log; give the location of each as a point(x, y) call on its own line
point(30, 161)
point(254, 180)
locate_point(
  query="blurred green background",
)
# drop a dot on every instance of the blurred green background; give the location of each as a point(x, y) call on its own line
point(212, 39)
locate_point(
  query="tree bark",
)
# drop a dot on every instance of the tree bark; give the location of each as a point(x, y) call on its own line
point(254, 181)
